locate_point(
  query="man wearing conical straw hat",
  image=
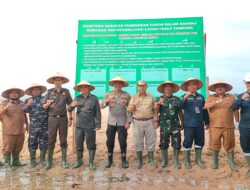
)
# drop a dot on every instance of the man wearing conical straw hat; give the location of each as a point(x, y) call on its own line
point(243, 103)
point(221, 125)
point(38, 116)
point(88, 121)
point(13, 119)
point(170, 121)
point(118, 120)
point(195, 117)
point(141, 106)
point(56, 101)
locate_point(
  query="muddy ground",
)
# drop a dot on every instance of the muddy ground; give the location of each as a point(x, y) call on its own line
point(118, 178)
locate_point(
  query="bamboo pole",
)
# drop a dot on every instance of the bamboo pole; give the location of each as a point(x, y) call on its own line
point(73, 132)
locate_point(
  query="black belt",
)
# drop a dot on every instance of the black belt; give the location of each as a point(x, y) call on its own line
point(57, 116)
point(143, 119)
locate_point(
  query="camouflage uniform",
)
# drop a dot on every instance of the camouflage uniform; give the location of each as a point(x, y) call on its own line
point(169, 122)
point(38, 130)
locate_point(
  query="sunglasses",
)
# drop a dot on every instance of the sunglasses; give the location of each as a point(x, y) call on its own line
point(247, 82)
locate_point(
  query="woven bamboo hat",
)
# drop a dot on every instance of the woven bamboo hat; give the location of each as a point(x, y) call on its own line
point(176, 87)
point(120, 79)
point(184, 85)
point(57, 75)
point(83, 83)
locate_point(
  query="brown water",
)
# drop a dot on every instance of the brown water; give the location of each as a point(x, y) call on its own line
point(26, 178)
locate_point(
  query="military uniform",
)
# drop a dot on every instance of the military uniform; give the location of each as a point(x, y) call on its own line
point(169, 111)
point(169, 122)
point(38, 129)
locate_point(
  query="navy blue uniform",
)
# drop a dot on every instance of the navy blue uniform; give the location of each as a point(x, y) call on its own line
point(38, 129)
point(244, 125)
point(194, 118)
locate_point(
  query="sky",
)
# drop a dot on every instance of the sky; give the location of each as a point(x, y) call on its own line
point(38, 38)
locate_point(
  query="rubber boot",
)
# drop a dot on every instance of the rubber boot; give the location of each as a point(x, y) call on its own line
point(248, 162)
point(198, 160)
point(187, 159)
point(151, 158)
point(42, 157)
point(64, 158)
point(91, 160)
point(79, 156)
point(110, 160)
point(164, 153)
point(177, 165)
point(33, 159)
point(50, 159)
point(215, 160)
point(139, 161)
point(16, 162)
point(7, 163)
point(230, 161)
point(124, 161)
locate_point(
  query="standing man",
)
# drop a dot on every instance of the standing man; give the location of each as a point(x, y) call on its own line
point(13, 119)
point(243, 103)
point(221, 125)
point(88, 121)
point(194, 119)
point(38, 116)
point(170, 121)
point(141, 106)
point(118, 120)
point(56, 101)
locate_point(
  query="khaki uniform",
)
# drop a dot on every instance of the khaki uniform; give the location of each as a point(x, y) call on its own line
point(143, 123)
point(13, 121)
point(221, 123)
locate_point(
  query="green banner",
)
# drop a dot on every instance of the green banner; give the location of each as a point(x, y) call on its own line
point(154, 50)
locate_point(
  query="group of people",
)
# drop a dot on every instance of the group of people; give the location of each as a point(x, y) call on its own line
point(53, 112)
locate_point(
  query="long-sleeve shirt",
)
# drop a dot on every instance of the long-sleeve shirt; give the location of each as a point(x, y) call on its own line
point(221, 115)
point(169, 112)
point(13, 119)
point(88, 114)
point(144, 108)
point(194, 113)
point(61, 99)
point(37, 114)
point(244, 106)
point(118, 114)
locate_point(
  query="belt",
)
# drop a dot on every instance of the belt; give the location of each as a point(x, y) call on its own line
point(143, 119)
point(57, 116)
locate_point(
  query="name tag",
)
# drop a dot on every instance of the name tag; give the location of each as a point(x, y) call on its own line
point(197, 110)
